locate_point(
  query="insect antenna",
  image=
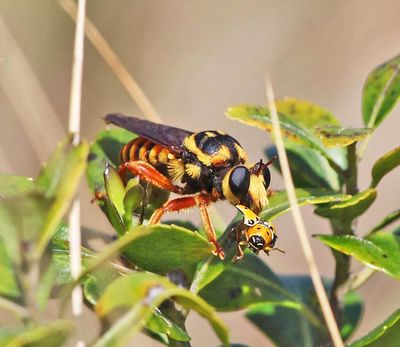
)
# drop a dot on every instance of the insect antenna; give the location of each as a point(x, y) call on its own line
point(259, 167)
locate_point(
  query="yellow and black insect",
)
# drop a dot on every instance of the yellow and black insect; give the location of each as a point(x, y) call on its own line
point(259, 235)
point(208, 166)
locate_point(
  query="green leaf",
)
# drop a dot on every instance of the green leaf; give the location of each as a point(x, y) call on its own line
point(114, 217)
point(279, 203)
point(95, 285)
point(352, 313)
point(284, 323)
point(336, 136)
point(381, 92)
point(380, 251)
point(53, 334)
point(160, 324)
point(242, 284)
point(59, 272)
point(61, 262)
point(248, 282)
point(386, 334)
point(105, 149)
point(143, 292)
point(311, 116)
point(22, 220)
point(11, 185)
point(156, 197)
point(259, 116)
point(167, 247)
point(8, 284)
point(97, 282)
point(115, 188)
point(209, 269)
point(60, 178)
point(384, 165)
point(124, 242)
point(350, 208)
point(389, 219)
point(132, 200)
point(307, 113)
point(60, 266)
point(309, 168)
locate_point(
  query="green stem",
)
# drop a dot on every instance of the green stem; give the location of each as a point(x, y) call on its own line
point(343, 226)
point(351, 172)
point(336, 167)
point(357, 280)
point(19, 311)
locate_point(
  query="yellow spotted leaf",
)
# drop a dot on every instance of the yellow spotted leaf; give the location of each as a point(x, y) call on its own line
point(334, 136)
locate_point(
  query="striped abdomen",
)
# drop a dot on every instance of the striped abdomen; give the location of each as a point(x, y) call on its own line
point(145, 150)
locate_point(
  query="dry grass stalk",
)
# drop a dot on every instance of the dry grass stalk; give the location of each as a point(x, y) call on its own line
point(74, 128)
point(298, 220)
point(115, 64)
point(22, 88)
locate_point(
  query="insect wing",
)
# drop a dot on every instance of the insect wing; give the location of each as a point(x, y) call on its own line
point(164, 135)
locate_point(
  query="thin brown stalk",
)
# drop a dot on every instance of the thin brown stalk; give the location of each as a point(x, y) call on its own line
point(74, 128)
point(298, 220)
point(114, 63)
point(27, 97)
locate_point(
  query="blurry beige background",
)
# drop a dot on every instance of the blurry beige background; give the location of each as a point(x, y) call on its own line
point(193, 60)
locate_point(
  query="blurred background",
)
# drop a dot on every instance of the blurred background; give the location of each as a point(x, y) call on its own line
point(193, 60)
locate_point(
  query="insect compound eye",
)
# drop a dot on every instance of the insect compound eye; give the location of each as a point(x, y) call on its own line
point(267, 176)
point(273, 240)
point(256, 243)
point(239, 181)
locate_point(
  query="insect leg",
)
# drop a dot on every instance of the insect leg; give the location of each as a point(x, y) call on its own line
point(186, 202)
point(239, 255)
point(269, 249)
point(148, 173)
point(174, 205)
point(202, 201)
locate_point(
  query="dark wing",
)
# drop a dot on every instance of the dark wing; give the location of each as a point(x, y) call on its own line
point(164, 135)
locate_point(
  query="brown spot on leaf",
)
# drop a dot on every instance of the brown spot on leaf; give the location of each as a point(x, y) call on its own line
point(92, 156)
point(234, 293)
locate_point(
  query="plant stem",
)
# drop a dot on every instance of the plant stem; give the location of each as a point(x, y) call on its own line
point(336, 167)
point(351, 172)
point(18, 310)
point(357, 280)
point(30, 281)
point(343, 226)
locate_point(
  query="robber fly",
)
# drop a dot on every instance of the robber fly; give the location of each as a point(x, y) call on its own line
point(207, 166)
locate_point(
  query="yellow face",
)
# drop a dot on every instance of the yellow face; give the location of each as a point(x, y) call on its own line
point(260, 234)
point(241, 186)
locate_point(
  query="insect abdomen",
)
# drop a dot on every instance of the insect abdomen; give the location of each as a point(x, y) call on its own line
point(145, 150)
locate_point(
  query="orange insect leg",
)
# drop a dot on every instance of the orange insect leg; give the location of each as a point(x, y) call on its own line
point(183, 203)
point(148, 173)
